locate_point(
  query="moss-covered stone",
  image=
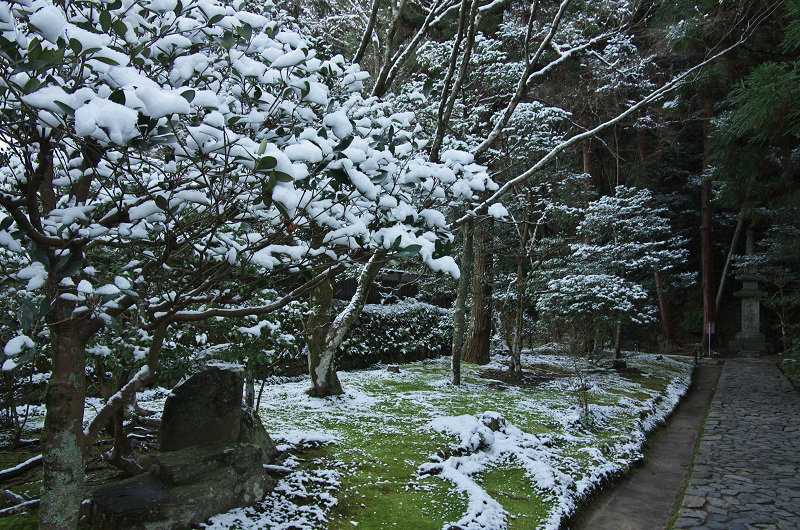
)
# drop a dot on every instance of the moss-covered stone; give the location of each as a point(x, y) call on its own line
point(185, 488)
point(206, 407)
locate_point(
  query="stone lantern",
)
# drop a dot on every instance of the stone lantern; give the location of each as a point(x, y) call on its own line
point(750, 340)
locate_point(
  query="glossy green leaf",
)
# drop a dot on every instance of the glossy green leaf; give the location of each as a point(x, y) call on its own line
point(70, 270)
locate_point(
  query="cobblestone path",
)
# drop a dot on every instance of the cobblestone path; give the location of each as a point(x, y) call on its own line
point(747, 471)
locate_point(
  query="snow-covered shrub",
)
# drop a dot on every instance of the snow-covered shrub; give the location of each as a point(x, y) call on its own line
point(403, 332)
point(393, 333)
point(164, 161)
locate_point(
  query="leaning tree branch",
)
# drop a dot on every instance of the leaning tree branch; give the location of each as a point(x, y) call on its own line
point(367, 38)
point(450, 95)
point(23, 507)
point(116, 401)
point(652, 97)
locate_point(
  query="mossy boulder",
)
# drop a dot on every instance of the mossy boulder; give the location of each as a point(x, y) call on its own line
point(184, 488)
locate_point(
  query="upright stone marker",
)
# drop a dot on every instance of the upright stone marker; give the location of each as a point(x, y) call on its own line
point(206, 407)
point(750, 341)
point(213, 456)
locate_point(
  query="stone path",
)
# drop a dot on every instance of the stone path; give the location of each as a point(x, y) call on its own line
point(747, 471)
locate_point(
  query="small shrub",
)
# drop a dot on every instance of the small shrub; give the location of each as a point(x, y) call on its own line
point(398, 333)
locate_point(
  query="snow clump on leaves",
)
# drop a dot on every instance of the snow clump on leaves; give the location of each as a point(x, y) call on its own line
point(175, 135)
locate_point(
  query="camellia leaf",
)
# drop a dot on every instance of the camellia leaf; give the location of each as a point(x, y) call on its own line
point(344, 144)
point(265, 163)
point(105, 21)
point(410, 250)
point(161, 202)
point(27, 312)
point(66, 109)
point(227, 41)
point(106, 60)
point(117, 96)
point(262, 147)
point(61, 263)
point(119, 28)
point(70, 270)
point(75, 46)
point(37, 254)
point(44, 307)
point(427, 87)
point(27, 356)
point(245, 31)
point(280, 176)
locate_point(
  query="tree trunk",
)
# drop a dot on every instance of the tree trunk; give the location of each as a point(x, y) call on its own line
point(515, 366)
point(323, 375)
point(706, 246)
point(735, 241)
point(480, 332)
point(249, 384)
point(449, 95)
point(62, 438)
point(663, 308)
point(459, 319)
point(367, 37)
point(325, 383)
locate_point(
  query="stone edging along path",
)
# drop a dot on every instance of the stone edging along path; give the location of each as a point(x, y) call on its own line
point(650, 496)
point(747, 470)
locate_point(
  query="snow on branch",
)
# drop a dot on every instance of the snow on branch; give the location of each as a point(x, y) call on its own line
point(20, 468)
point(116, 401)
point(650, 98)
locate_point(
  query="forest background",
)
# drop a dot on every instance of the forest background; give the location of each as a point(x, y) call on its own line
point(183, 178)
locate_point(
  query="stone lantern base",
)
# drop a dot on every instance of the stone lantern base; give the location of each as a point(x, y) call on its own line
point(750, 344)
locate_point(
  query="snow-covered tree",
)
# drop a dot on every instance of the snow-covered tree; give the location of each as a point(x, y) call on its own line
point(601, 282)
point(163, 155)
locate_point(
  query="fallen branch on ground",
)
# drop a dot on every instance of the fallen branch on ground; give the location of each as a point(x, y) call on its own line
point(25, 506)
point(19, 469)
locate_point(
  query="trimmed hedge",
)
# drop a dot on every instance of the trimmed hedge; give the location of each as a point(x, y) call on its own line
point(397, 333)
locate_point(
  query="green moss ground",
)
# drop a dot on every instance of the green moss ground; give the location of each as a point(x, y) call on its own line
point(382, 435)
point(369, 444)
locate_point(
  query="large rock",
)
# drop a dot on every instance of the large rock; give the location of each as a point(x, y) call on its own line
point(252, 431)
point(184, 488)
point(206, 407)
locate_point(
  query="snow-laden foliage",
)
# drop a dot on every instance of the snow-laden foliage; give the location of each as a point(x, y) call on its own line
point(602, 277)
point(155, 150)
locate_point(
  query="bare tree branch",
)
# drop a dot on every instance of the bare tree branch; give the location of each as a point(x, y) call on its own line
point(652, 97)
point(365, 40)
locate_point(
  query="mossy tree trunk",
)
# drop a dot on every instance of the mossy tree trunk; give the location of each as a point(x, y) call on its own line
point(63, 438)
point(459, 318)
point(328, 338)
point(323, 379)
